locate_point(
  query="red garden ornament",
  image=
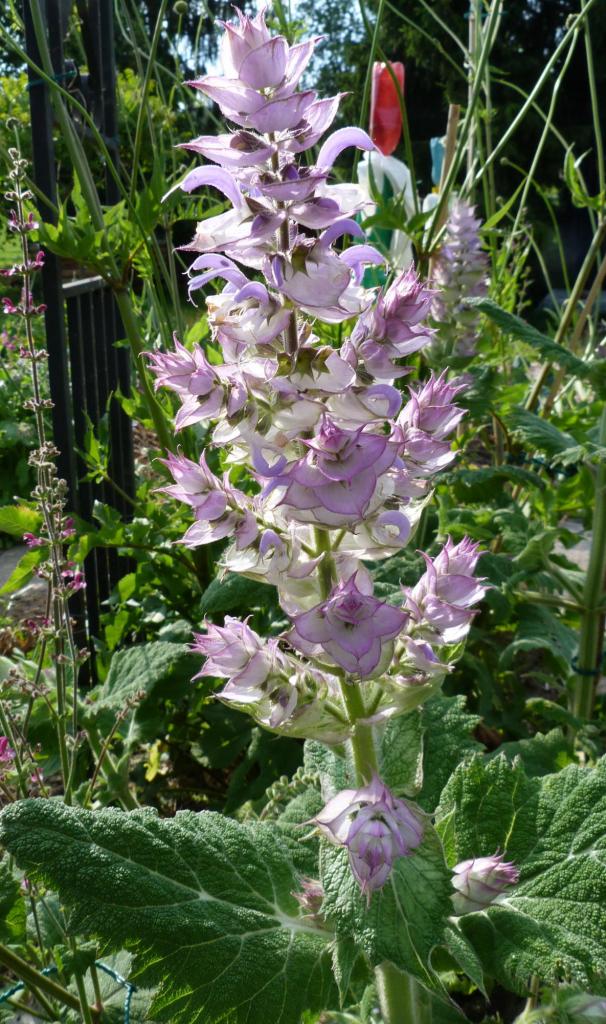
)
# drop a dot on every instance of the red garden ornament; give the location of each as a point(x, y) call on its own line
point(385, 110)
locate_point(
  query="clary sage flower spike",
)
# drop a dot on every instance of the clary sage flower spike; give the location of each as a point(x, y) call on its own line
point(334, 458)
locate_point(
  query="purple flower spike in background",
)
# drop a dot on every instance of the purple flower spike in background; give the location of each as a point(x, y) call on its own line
point(375, 827)
point(7, 754)
point(461, 273)
point(479, 882)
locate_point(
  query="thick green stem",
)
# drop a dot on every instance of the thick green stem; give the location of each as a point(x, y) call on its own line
point(362, 741)
point(85, 1009)
point(401, 998)
point(589, 658)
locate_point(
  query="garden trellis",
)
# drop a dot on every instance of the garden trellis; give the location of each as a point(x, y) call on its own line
point(86, 367)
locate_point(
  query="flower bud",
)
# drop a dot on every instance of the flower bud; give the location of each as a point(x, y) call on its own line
point(7, 754)
point(375, 826)
point(310, 898)
point(480, 881)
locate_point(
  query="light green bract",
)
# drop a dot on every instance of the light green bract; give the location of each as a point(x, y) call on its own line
point(205, 902)
point(553, 923)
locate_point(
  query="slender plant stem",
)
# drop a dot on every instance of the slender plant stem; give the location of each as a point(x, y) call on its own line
point(569, 312)
point(109, 771)
point(488, 40)
point(595, 109)
point(64, 637)
point(85, 1009)
point(365, 105)
point(151, 64)
point(124, 303)
point(536, 89)
point(450, 146)
point(28, 1011)
point(30, 976)
point(529, 177)
point(588, 305)
point(96, 987)
point(582, 689)
point(430, 39)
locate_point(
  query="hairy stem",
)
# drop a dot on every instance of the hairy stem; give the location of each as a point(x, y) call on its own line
point(401, 998)
point(589, 657)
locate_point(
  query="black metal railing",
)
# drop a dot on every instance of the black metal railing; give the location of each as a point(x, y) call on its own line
point(86, 367)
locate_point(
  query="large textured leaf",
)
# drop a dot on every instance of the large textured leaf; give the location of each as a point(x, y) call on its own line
point(144, 667)
point(447, 741)
point(536, 432)
point(234, 593)
point(542, 754)
point(553, 923)
point(539, 629)
point(205, 901)
point(12, 907)
point(158, 670)
point(402, 753)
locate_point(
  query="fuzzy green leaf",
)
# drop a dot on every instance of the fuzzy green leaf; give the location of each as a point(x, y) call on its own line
point(206, 903)
point(539, 629)
point(159, 670)
point(536, 432)
point(402, 753)
point(553, 922)
point(448, 740)
point(234, 593)
point(19, 519)
point(547, 348)
point(542, 754)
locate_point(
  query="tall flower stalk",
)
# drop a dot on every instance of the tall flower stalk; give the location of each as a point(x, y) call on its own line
point(339, 461)
point(63, 578)
point(460, 272)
